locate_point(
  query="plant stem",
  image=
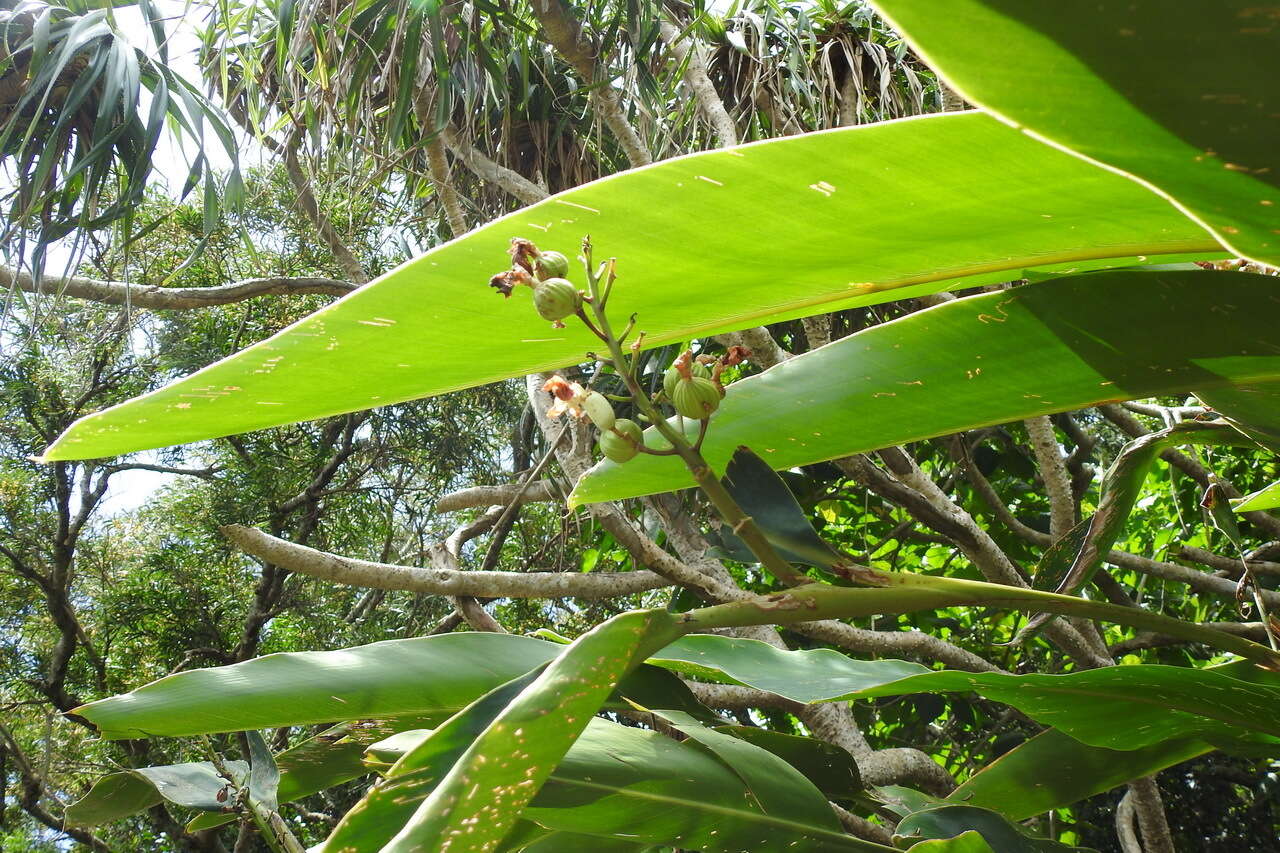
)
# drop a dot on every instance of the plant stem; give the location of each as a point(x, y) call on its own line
point(741, 523)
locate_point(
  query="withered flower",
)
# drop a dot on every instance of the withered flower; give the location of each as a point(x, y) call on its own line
point(523, 254)
point(505, 282)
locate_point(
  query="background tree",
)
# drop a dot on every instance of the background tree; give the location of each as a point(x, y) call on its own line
point(437, 123)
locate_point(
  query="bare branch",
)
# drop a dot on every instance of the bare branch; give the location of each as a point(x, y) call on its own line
point(734, 696)
point(353, 269)
point(511, 181)
point(478, 496)
point(689, 53)
point(435, 581)
point(1229, 566)
point(765, 351)
point(1057, 482)
point(438, 163)
point(1156, 837)
point(151, 297)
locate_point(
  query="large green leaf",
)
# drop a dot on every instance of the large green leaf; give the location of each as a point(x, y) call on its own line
point(421, 676)
point(1123, 707)
point(827, 766)
point(419, 762)
point(478, 801)
point(713, 241)
point(426, 678)
point(774, 786)
point(1182, 97)
point(1046, 347)
point(627, 782)
point(1053, 770)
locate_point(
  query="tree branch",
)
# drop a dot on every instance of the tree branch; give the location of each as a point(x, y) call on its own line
point(486, 496)
point(509, 180)
point(151, 297)
point(688, 52)
point(438, 581)
point(565, 34)
point(1057, 483)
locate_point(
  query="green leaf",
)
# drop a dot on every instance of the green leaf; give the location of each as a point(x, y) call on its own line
point(1264, 498)
point(264, 775)
point(1122, 707)
point(422, 676)
point(944, 822)
point(1050, 346)
point(620, 781)
point(329, 758)
point(195, 785)
point(1053, 770)
point(812, 675)
point(966, 842)
point(1184, 106)
point(854, 216)
point(113, 797)
point(829, 767)
point(762, 494)
point(776, 788)
point(476, 804)
point(422, 762)
point(424, 680)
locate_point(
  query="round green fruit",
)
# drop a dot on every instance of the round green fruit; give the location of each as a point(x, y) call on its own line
point(672, 376)
point(696, 398)
point(616, 447)
point(556, 299)
point(552, 265)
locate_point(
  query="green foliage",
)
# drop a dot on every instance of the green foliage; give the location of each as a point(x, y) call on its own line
point(487, 740)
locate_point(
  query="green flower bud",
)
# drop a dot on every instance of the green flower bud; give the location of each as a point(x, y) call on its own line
point(552, 265)
point(556, 299)
point(696, 398)
point(618, 448)
point(597, 407)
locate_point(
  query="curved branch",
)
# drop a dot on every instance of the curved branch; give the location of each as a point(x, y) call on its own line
point(318, 564)
point(151, 297)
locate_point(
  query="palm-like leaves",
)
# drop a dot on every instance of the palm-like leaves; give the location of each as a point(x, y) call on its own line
point(81, 113)
point(380, 80)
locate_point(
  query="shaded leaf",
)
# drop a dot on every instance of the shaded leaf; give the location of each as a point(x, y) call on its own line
point(829, 767)
point(762, 494)
point(196, 785)
point(1194, 119)
point(950, 821)
point(478, 801)
point(1053, 770)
